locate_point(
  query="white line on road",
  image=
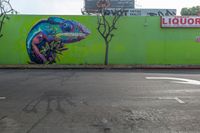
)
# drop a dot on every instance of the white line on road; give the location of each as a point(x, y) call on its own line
point(2, 98)
point(171, 98)
point(179, 100)
point(177, 80)
point(166, 98)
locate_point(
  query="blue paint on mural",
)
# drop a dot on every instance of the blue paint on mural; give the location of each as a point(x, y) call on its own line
point(47, 38)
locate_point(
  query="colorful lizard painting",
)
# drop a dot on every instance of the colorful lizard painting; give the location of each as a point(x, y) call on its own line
point(47, 38)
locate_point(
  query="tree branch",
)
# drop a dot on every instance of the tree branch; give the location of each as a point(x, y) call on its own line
point(106, 27)
point(1, 24)
point(99, 26)
point(5, 8)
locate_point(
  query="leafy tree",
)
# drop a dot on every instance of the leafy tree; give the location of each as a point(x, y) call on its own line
point(5, 10)
point(193, 11)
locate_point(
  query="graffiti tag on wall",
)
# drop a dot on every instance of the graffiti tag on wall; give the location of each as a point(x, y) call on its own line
point(47, 38)
point(162, 13)
point(198, 39)
point(141, 12)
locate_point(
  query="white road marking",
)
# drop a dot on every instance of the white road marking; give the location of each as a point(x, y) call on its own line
point(179, 100)
point(180, 91)
point(2, 98)
point(166, 98)
point(178, 80)
point(171, 98)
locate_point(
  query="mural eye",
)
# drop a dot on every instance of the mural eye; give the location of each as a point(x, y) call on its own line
point(40, 37)
point(67, 27)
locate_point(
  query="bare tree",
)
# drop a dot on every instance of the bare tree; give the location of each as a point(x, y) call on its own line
point(107, 24)
point(5, 10)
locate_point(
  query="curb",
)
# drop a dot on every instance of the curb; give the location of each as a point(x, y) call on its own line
point(99, 66)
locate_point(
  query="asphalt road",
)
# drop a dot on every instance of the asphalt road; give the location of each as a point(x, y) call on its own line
point(99, 101)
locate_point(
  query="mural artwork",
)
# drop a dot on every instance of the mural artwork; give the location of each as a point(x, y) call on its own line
point(47, 38)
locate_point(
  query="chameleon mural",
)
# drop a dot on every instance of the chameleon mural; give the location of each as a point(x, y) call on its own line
point(47, 38)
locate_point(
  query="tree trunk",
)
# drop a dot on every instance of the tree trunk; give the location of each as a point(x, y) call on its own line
point(106, 54)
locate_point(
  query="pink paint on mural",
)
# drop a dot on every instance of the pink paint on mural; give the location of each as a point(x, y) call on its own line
point(198, 39)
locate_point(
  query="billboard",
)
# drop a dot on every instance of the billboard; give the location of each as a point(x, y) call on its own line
point(180, 21)
point(91, 5)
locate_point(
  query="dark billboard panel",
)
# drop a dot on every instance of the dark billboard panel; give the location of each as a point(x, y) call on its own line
point(92, 4)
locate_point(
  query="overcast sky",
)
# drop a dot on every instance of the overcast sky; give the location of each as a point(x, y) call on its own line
point(73, 7)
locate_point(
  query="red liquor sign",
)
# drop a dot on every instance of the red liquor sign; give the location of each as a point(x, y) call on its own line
point(180, 21)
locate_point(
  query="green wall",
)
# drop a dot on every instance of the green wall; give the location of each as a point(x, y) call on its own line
point(138, 40)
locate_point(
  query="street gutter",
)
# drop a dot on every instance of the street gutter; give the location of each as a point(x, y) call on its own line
point(36, 66)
